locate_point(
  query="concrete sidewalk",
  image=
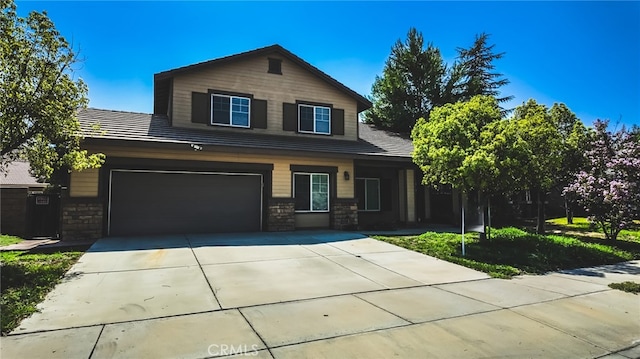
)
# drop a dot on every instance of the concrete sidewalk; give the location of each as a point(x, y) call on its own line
point(319, 295)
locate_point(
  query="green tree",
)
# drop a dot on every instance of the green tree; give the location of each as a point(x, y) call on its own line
point(458, 146)
point(574, 144)
point(414, 80)
point(477, 65)
point(39, 97)
point(533, 123)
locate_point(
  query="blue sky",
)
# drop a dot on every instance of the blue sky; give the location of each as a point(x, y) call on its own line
point(584, 54)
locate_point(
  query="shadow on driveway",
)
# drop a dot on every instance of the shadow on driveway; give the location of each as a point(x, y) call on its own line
point(221, 240)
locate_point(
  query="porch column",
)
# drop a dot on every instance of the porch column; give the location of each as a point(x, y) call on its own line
point(411, 196)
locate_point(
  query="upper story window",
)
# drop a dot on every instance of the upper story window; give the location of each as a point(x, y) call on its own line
point(230, 110)
point(314, 119)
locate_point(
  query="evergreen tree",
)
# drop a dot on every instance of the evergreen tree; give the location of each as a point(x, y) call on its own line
point(416, 79)
point(478, 67)
point(412, 83)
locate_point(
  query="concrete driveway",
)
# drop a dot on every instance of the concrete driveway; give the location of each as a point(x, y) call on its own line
point(319, 295)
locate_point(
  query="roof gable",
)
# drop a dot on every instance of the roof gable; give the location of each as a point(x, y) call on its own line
point(162, 80)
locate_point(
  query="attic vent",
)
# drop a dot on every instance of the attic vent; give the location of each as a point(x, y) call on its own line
point(275, 66)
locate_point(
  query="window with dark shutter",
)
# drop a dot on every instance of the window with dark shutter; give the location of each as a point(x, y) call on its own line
point(314, 119)
point(228, 110)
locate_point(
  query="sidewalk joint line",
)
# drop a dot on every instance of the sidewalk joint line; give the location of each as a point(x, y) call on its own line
point(202, 271)
point(95, 345)
point(255, 331)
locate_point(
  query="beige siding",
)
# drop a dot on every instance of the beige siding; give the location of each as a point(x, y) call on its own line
point(281, 165)
point(411, 200)
point(250, 76)
point(84, 183)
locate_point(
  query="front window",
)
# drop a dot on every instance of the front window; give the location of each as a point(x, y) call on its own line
point(311, 192)
point(230, 110)
point(314, 119)
point(368, 193)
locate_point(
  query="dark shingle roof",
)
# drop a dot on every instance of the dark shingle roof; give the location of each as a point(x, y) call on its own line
point(140, 127)
point(392, 144)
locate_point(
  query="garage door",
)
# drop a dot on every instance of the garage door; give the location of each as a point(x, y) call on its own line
point(143, 202)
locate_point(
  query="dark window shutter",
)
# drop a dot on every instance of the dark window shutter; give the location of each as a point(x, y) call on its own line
point(289, 117)
point(337, 121)
point(386, 202)
point(200, 107)
point(258, 113)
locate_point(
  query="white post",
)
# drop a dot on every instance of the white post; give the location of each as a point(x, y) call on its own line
point(463, 198)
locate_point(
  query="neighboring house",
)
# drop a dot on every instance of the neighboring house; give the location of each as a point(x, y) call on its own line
point(258, 141)
point(17, 190)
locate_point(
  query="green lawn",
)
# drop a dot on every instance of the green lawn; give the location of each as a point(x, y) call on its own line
point(582, 226)
point(25, 279)
point(512, 251)
point(6, 240)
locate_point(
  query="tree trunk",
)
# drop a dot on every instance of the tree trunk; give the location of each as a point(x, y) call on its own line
point(541, 216)
point(483, 234)
point(568, 210)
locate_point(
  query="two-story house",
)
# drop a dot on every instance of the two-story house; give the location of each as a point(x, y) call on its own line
point(258, 141)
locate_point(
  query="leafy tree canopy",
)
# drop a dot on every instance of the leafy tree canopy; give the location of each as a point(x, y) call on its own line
point(39, 97)
point(454, 146)
point(535, 125)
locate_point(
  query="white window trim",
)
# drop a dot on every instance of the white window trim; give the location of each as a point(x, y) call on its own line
point(230, 124)
point(311, 210)
point(366, 198)
point(315, 107)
